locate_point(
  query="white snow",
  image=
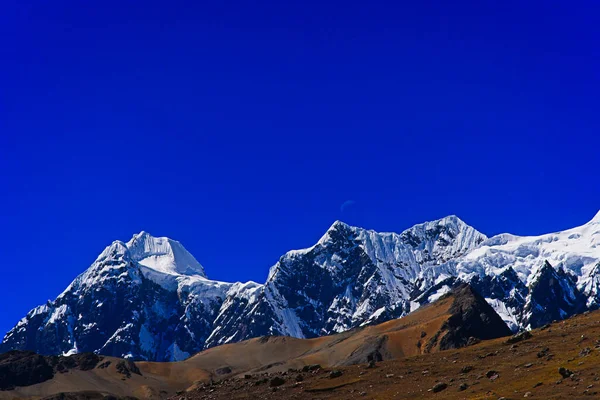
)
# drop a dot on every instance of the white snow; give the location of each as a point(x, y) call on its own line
point(439, 293)
point(508, 314)
point(163, 255)
point(575, 250)
point(72, 351)
point(57, 314)
point(375, 315)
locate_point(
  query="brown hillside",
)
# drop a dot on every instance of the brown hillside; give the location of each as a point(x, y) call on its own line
point(558, 361)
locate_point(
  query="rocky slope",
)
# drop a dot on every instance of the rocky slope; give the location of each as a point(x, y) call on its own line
point(559, 361)
point(149, 299)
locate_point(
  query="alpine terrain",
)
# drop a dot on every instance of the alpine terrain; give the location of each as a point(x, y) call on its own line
point(149, 299)
point(458, 319)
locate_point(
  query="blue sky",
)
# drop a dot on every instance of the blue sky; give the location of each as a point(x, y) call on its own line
point(244, 129)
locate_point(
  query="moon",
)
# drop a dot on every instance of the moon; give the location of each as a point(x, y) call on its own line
point(346, 204)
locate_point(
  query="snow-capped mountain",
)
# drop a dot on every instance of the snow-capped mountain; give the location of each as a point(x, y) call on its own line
point(535, 277)
point(145, 299)
point(351, 277)
point(150, 299)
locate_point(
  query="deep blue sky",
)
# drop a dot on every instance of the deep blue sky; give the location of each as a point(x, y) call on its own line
point(240, 129)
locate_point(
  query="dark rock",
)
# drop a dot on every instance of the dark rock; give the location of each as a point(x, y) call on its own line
point(492, 375)
point(438, 387)
point(223, 371)
point(565, 373)
point(473, 341)
point(585, 352)
point(466, 369)
point(519, 337)
point(312, 367)
point(470, 316)
point(23, 368)
point(299, 378)
point(463, 387)
point(86, 361)
point(276, 381)
point(543, 352)
point(335, 374)
point(82, 361)
point(127, 367)
point(104, 365)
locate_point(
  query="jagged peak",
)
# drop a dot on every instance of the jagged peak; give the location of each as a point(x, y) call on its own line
point(142, 234)
point(450, 220)
point(545, 270)
point(114, 250)
point(142, 237)
point(453, 224)
point(337, 224)
point(157, 253)
point(163, 255)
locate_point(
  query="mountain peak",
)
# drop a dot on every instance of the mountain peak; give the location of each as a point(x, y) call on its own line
point(451, 223)
point(163, 255)
point(337, 224)
point(140, 235)
point(449, 220)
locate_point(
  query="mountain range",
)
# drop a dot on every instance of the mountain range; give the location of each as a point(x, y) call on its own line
point(149, 299)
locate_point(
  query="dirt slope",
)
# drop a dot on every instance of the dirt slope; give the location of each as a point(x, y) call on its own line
point(559, 361)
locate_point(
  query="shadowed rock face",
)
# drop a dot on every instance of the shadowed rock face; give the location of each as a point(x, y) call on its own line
point(471, 317)
point(553, 296)
point(18, 368)
point(25, 368)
